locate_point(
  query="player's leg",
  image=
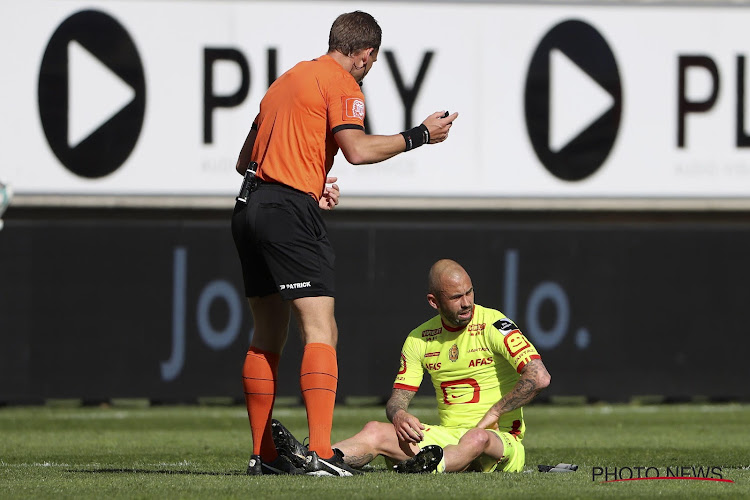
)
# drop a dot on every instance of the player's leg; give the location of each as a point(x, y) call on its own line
point(271, 315)
point(259, 372)
point(271, 323)
point(319, 382)
point(375, 438)
point(430, 457)
point(472, 445)
point(300, 259)
point(319, 370)
point(513, 458)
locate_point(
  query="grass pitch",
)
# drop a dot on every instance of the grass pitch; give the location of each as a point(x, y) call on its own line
point(202, 452)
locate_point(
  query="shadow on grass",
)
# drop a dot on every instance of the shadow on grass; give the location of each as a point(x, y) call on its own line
point(157, 471)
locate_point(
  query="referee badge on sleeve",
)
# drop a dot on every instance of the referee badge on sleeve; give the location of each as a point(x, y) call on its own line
point(354, 108)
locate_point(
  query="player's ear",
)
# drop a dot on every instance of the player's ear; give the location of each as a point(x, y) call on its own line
point(432, 301)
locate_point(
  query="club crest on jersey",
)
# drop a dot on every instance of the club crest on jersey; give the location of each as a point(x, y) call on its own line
point(505, 326)
point(453, 353)
point(353, 108)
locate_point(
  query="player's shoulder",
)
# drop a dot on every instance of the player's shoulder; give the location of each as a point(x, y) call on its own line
point(497, 319)
point(486, 314)
point(428, 330)
point(331, 72)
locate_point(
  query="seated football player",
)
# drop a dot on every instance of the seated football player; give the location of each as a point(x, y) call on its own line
point(484, 371)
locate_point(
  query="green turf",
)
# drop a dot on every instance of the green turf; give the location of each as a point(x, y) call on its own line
point(202, 452)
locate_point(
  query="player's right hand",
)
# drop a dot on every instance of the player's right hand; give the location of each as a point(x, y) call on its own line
point(408, 427)
point(439, 126)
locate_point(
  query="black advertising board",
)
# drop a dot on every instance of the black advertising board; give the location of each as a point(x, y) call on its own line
point(152, 306)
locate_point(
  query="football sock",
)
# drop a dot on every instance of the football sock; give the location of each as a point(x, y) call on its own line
point(440, 469)
point(318, 381)
point(259, 380)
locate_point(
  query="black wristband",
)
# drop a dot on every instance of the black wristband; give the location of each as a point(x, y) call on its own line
point(416, 136)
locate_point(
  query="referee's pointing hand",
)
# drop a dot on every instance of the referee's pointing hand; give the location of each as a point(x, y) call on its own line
point(438, 127)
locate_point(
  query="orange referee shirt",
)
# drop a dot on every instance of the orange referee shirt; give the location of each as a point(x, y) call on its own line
point(298, 116)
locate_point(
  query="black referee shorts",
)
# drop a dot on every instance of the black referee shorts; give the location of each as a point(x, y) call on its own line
point(283, 244)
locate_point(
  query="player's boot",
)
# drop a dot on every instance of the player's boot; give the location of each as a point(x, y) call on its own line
point(255, 466)
point(287, 445)
point(424, 462)
point(282, 465)
point(334, 466)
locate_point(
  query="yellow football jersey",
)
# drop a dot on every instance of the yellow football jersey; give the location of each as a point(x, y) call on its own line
point(471, 368)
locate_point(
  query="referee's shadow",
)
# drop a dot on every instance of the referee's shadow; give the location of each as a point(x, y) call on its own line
point(125, 470)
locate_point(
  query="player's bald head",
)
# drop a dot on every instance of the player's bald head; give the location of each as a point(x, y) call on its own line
point(442, 272)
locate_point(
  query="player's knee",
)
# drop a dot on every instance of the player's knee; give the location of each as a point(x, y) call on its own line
point(477, 440)
point(375, 432)
point(370, 427)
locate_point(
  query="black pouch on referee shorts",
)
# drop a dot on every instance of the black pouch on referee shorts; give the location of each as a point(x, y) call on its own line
point(249, 183)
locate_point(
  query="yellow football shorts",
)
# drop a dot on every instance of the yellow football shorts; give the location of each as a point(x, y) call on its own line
point(514, 454)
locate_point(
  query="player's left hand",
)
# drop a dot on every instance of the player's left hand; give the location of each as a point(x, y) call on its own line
point(330, 197)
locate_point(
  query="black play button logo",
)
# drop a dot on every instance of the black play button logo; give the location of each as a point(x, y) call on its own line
point(573, 100)
point(92, 94)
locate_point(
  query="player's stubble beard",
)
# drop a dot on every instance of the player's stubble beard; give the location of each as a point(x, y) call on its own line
point(454, 320)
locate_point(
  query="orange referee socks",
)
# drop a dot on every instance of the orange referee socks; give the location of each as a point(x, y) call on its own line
point(259, 379)
point(318, 380)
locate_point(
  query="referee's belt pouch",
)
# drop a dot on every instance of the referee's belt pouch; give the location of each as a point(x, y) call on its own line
point(249, 184)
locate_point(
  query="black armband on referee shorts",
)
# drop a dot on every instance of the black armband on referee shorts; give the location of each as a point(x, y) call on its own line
point(416, 137)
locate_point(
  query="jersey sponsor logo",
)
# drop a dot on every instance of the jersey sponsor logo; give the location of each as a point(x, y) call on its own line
point(432, 354)
point(432, 333)
point(294, 286)
point(516, 343)
point(402, 368)
point(479, 349)
point(353, 108)
point(505, 326)
point(480, 362)
point(453, 353)
point(476, 330)
point(463, 391)
point(432, 366)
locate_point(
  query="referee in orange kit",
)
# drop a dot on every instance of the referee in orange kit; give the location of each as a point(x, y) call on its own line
point(307, 114)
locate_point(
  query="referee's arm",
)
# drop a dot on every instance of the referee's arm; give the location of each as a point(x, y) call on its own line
point(247, 150)
point(360, 148)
